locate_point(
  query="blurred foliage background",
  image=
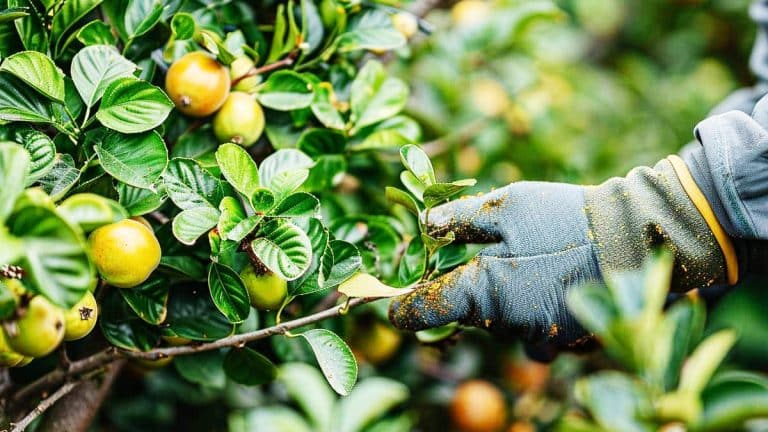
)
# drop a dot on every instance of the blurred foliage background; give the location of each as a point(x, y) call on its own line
point(579, 93)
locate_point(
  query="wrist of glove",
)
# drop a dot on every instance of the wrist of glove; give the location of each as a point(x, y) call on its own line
point(710, 210)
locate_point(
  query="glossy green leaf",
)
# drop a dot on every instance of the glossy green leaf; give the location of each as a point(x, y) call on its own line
point(90, 211)
point(286, 91)
point(705, 359)
point(55, 258)
point(280, 161)
point(271, 418)
point(9, 14)
point(375, 96)
point(307, 386)
point(373, 31)
point(141, 16)
point(131, 105)
point(320, 142)
point(232, 213)
point(41, 149)
point(30, 28)
point(335, 359)
point(399, 196)
point(183, 26)
point(205, 368)
point(413, 263)
point(61, 177)
point(193, 222)
point(137, 159)
point(149, 300)
point(731, 399)
point(187, 306)
point(284, 248)
point(19, 102)
point(615, 401)
point(140, 201)
point(122, 327)
point(228, 293)
point(346, 262)
point(238, 168)
point(413, 184)
point(14, 168)
point(297, 204)
point(188, 185)
point(70, 13)
point(248, 367)
point(440, 192)
point(185, 266)
point(96, 67)
point(417, 162)
point(38, 71)
point(96, 33)
point(371, 399)
point(324, 109)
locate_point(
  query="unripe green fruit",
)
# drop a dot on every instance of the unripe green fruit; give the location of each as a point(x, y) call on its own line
point(237, 69)
point(266, 291)
point(39, 331)
point(240, 120)
point(81, 319)
point(125, 253)
point(8, 357)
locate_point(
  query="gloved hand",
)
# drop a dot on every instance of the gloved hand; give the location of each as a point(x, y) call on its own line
point(549, 237)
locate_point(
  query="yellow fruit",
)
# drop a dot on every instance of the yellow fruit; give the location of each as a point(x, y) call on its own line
point(237, 70)
point(81, 318)
point(125, 253)
point(197, 84)
point(376, 342)
point(39, 331)
point(470, 12)
point(8, 357)
point(266, 291)
point(142, 220)
point(489, 97)
point(406, 23)
point(478, 406)
point(240, 120)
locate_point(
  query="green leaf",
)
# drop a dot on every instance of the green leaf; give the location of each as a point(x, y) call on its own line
point(14, 168)
point(369, 401)
point(189, 185)
point(399, 196)
point(392, 133)
point(297, 204)
point(131, 105)
point(7, 301)
point(417, 162)
point(41, 149)
point(286, 91)
point(238, 168)
point(94, 68)
point(138, 160)
point(413, 184)
point(434, 243)
point(375, 96)
point(90, 211)
point(324, 109)
point(373, 30)
point(346, 262)
point(335, 359)
point(185, 266)
point(204, 368)
point(228, 292)
point(61, 178)
point(232, 213)
point(96, 33)
point(437, 334)
point(262, 200)
point(55, 259)
point(243, 228)
point(280, 162)
point(284, 248)
point(14, 13)
point(269, 418)
point(701, 365)
point(139, 201)
point(365, 285)
point(141, 16)
point(122, 327)
point(615, 401)
point(149, 300)
point(18, 102)
point(183, 26)
point(248, 367)
point(38, 71)
point(307, 386)
point(732, 399)
point(413, 264)
point(193, 222)
point(437, 193)
point(327, 173)
point(320, 142)
point(30, 28)
point(71, 12)
point(185, 309)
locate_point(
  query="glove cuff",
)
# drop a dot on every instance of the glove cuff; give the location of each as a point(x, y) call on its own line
point(703, 204)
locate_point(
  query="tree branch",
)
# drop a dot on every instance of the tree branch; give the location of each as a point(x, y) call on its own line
point(43, 406)
point(109, 355)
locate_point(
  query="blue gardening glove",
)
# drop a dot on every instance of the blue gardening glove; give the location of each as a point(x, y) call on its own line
point(710, 210)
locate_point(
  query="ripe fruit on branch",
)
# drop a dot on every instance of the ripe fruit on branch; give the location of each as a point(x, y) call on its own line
point(125, 253)
point(81, 319)
point(376, 342)
point(266, 291)
point(240, 120)
point(39, 331)
point(197, 84)
point(478, 406)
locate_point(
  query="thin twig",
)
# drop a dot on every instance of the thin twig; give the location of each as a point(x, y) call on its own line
point(109, 355)
point(266, 68)
point(43, 406)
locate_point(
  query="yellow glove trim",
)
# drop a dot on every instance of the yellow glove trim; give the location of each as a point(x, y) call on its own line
point(701, 203)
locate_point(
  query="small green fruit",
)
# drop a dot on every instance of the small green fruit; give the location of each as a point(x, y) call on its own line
point(237, 69)
point(240, 120)
point(266, 291)
point(8, 357)
point(39, 331)
point(81, 319)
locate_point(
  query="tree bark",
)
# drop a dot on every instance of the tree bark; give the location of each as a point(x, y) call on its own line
point(75, 412)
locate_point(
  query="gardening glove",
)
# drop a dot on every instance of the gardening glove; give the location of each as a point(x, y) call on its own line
point(710, 210)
